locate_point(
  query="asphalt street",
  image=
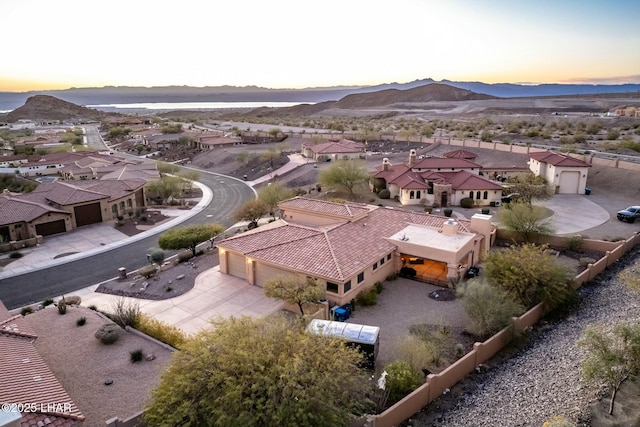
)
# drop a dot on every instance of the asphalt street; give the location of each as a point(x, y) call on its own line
point(228, 195)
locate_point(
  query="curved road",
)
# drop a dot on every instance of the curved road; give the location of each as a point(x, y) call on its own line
point(32, 287)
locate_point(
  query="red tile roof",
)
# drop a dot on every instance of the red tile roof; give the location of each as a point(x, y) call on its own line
point(341, 210)
point(66, 193)
point(15, 209)
point(435, 163)
point(558, 159)
point(463, 180)
point(342, 146)
point(338, 253)
point(460, 154)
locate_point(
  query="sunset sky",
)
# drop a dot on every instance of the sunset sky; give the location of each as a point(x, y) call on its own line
point(295, 44)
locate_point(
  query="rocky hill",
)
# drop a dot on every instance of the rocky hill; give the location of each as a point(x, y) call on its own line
point(47, 107)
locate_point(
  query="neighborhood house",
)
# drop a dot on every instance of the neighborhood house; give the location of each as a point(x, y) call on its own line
point(348, 247)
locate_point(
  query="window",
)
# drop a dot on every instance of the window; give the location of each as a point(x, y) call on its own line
point(129, 202)
point(332, 287)
point(381, 260)
point(347, 287)
point(388, 257)
point(418, 194)
point(412, 194)
point(485, 195)
point(471, 194)
point(478, 195)
point(375, 265)
point(360, 277)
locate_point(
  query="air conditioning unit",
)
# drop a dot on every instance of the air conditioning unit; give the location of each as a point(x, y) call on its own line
point(497, 202)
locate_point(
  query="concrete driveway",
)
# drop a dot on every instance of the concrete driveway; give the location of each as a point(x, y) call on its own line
point(214, 295)
point(573, 213)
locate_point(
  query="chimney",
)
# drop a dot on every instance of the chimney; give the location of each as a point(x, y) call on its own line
point(412, 157)
point(385, 164)
point(450, 227)
point(482, 225)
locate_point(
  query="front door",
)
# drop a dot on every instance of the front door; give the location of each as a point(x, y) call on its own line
point(444, 200)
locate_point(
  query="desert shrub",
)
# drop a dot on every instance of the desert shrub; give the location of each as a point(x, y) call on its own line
point(428, 209)
point(392, 277)
point(485, 211)
point(408, 272)
point(81, 321)
point(47, 302)
point(401, 380)
point(108, 333)
point(136, 355)
point(143, 218)
point(125, 312)
point(573, 243)
point(490, 309)
point(62, 307)
point(466, 202)
point(415, 351)
point(157, 257)
point(384, 194)
point(15, 255)
point(26, 310)
point(148, 271)
point(72, 300)
point(161, 331)
point(459, 350)
point(379, 287)
point(185, 256)
point(448, 212)
point(93, 307)
point(558, 421)
point(368, 297)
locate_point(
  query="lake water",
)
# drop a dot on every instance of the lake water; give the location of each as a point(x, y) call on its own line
point(192, 105)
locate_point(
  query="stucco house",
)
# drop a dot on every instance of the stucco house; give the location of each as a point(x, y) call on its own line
point(435, 181)
point(349, 247)
point(565, 174)
point(60, 206)
point(333, 150)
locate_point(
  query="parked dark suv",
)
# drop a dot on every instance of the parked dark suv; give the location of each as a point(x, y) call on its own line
point(630, 214)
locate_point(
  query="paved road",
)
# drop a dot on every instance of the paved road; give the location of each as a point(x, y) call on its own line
point(29, 288)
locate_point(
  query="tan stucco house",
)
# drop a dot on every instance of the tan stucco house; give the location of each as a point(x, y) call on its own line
point(333, 150)
point(349, 247)
point(435, 181)
point(565, 174)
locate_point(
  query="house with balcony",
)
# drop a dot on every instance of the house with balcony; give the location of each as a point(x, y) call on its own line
point(348, 247)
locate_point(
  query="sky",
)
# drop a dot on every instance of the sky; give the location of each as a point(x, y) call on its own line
point(296, 44)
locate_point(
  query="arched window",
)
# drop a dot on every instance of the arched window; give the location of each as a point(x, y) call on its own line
point(471, 194)
point(418, 194)
point(485, 195)
point(412, 194)
point(478, 195)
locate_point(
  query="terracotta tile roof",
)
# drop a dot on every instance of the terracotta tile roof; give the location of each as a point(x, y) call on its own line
point(392, 172)
point(460, 154)
point(463, 180)
point(411, 181)
point(342, 146)
point(435, 163)
point(218, 140)
point(66, 193)
point(558, 159)
point(112, 188)
point(340, 210)
point(337, 253)
point(16, 326)
point(18, 208)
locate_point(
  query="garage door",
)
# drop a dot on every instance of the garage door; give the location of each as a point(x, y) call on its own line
point(88, 214)
point(49, 228)
point(237, 265)
point(569, 181)
point(266, 272)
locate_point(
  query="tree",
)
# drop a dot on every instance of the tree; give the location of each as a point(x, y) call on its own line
point(270, 156)
point(252, 211)
point(612, 355)
point(529, 188)
point(273, 194)
point(188, 176)
point(525, 219)
point(294, 290)
point(188, 237)
point(260, 372)
point(530, 276)
point(347, 175)
point(164, 188)
point(167, 168)
point(489, 308)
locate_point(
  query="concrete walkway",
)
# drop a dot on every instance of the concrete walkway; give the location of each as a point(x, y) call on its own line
point(295, 160)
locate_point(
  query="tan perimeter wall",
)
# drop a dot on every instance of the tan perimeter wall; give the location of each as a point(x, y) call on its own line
point(436, 384)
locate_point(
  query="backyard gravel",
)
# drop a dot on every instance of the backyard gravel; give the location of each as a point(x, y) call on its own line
point(542, 380)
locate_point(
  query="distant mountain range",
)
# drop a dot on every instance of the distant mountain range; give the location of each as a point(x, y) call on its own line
point(127, 95)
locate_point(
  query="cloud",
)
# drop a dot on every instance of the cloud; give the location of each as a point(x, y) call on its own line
point(605, 80)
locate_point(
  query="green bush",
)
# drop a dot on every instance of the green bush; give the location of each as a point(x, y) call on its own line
point(62, 307)
point(466, 202)
point(15, 255)
point(379, 287)
point(47, 302)
point(81, 321)
point(136, 355)
point(384, 194)
point(401, 380)
point(108, 333)
point(93, 307)
point(26, 310)
point(573, 243)
point(161, 331)
point(485, 211)
point(392, 277)
point(157, 257)
point(448, 212)
point(368, 297)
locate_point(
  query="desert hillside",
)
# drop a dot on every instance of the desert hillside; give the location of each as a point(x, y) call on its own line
point(50, 108)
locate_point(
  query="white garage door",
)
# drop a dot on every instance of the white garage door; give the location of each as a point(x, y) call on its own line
point(237, 265)
point(569, 181)
point(265, 272)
